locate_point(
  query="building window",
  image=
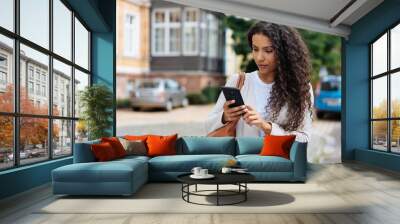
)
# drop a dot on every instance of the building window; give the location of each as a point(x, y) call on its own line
point(30, 72)
point(30, 87)
point(132, 34)
point(44, 91)
point(166, 32)
point(3, 61)
point(43, 78)
point(203, 34)
point(3, 78)
point(35, 114)
point(38, 89)
point(37, 75)
point(3, 72)
point(213, 33)
point(385, 97)
point(191, 31)
point(3, 69)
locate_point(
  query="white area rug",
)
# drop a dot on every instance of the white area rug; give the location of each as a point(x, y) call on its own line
point(166, 198)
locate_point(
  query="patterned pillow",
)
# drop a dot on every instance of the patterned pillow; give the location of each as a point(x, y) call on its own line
point(134, 147)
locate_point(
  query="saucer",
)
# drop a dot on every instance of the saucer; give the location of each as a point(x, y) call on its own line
point(208, 176)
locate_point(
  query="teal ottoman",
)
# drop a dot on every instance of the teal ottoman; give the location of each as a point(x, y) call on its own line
point(118, 177)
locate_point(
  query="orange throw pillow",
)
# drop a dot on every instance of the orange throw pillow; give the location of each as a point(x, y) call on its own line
point(103, 152)
point(161, 145)
point(116, 145)
point(277, 145)
point(136, 137)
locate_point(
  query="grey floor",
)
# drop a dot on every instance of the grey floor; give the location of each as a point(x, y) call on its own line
point(377, 188)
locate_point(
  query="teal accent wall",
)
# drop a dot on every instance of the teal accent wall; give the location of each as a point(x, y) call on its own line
point(355, 142)
point(24, 178)
point(379, 159)
point(100, 17)
point(104, 54)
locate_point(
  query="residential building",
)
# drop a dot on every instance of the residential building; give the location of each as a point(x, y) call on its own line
point(133, 43)
point(159, 39)
point(187, 44)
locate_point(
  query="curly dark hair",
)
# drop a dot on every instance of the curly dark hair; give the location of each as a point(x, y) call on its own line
point(291, 84)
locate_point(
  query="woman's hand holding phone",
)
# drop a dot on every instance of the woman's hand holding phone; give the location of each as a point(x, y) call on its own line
point(253, 118)
point(250, 116)
point(232, 113)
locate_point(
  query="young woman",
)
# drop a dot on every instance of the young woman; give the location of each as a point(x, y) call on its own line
point(278, 96)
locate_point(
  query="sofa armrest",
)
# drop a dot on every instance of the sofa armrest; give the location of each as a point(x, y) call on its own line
point(83, 152)
point(298, 155)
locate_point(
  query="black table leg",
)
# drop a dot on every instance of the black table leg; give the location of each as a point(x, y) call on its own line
point(245, 193)
point(188, 189)
point(182, 190)
point(196, 188)
point(217, 194)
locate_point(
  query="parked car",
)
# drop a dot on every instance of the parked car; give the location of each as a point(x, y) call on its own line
point(24, 154)
point(158, 93)
point(328, 96)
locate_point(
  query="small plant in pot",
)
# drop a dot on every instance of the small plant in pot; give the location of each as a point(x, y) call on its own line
point(96, 103)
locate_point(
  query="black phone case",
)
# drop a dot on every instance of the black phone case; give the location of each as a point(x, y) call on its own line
point(232, 93)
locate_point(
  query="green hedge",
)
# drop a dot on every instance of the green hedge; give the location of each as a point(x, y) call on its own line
point(197, 99)
point(123, 103)
point(211, 93)
point(208, 95)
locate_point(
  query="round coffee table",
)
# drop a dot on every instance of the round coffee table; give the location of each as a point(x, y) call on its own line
point(238, 179)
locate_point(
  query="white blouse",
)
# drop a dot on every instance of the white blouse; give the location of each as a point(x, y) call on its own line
point(251, 91)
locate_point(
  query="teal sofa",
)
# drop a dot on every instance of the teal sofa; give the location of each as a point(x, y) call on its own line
point(125, 176)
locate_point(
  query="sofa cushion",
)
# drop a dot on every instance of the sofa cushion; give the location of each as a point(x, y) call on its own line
point(159, 145)
point(249, 145)
point(136, 137)
point(134, 147)
point(116, 145)
point(277, 145)
point(185, 163)
point(103, 152)
point(195, 145)
point(257, 163)
point(112, 171)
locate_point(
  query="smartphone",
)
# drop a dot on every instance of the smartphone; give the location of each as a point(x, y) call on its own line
point(232, 93)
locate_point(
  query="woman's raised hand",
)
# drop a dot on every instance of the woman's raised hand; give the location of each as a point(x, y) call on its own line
point(253, 118)
point(234, 113)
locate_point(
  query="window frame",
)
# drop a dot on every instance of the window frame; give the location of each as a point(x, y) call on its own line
point(134, 42)
point(166, 26)
point(388, 74)
point(213, 29)
point(196, 26)
point(3, 71)
point(16, 114)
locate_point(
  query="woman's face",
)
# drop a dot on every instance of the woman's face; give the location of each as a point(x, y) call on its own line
point(264, 54)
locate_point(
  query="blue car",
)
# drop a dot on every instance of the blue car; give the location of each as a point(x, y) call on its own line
point(328, 96)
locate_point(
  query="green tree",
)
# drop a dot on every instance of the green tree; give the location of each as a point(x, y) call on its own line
point(97, 104)
point(240, 27)
point(324, 48)
point(324, 51)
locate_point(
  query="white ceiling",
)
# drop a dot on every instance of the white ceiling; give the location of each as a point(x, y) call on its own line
point(317, 15)
point(322, 9)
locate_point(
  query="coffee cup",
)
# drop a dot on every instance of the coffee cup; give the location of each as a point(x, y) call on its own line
point(196, 170)
point(226, 170)
point(203, 172)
